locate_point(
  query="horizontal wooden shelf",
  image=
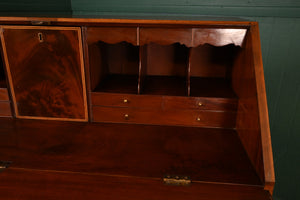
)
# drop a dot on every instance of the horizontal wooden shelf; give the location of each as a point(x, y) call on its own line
point(213, 155)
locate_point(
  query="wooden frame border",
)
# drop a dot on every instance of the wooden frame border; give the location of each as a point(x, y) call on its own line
point(78, 29)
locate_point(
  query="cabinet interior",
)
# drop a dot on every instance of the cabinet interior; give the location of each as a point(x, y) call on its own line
point(181, 70)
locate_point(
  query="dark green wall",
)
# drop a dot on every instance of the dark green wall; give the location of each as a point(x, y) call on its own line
point(280, 36)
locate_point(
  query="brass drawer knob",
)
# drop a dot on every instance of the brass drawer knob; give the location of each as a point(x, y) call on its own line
point(125, 100)
point(200, 104)
point(126, 116)
point(198, 119)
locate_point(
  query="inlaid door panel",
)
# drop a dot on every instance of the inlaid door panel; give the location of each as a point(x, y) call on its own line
point(45, 71)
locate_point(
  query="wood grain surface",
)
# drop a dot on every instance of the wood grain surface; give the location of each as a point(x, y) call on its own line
point(48, 185)
point(47, 77)
point(213, 155)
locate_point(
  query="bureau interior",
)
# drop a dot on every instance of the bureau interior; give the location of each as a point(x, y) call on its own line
point(118, 67)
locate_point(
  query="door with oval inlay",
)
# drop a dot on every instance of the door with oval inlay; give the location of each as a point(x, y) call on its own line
point(45, 71)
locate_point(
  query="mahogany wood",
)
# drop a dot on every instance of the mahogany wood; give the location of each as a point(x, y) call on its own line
point(166, 36)
point(218, 37)
point(269, 174)
point(35, 184)
point(46, 75)
point(213, 155)
point(4, 94)
point(126, 100)
point(200, 103)
point(5, 110)
point(112, 35)
point(175, 117)
point(247, 124)
point(179, 76)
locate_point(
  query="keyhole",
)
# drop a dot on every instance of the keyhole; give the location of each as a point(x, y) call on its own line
point(40, 36)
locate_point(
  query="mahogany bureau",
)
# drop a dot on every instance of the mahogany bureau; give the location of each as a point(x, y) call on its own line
point(133, 109)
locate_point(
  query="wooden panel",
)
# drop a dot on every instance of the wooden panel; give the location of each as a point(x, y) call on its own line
point(126, 100)
point(4, 94)
point(165, 36)
point(200, 103)
point(170, 117)
point(248, 125)
point(27, 184)
point(112, 35)
point(47, 78)
point(213, 155)
point(263, 110)
point(5, 110)
point(218, 37)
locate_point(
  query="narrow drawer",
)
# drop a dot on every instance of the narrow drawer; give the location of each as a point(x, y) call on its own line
point(5, 110)
point(201, 103)
point(160, 117)
point(4, 94)
point(126, 100)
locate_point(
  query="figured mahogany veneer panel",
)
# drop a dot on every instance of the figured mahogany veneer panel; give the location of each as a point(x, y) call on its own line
point(126, 100)
point(5, 110)
point(213, 155)
point(112, 35)
point(162, 117)
point(45, 69)
point(47, 185)
point(4, 94)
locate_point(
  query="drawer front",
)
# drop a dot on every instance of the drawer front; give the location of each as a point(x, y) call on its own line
point(222, 104)
point(5, 109)
point(160, 117)
point(3, 94)
point(126, 100)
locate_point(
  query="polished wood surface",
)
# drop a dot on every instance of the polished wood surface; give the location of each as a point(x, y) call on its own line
point(112, 35)
point(183, 98)
point(213, 155)
point(35, 184)
point(4, 94)
point(5, 110)
point(269, 174)
point(47, 77)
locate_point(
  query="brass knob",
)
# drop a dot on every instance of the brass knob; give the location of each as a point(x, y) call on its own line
point(126, 116)
point(125, 100)
point(198, 119)
point(200, 104)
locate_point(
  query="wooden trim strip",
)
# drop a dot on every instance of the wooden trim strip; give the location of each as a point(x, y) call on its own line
point(263, 110)
point(125, 21)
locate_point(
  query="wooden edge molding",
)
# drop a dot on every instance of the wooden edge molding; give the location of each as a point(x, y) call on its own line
point(263, 110)
point(122, 21)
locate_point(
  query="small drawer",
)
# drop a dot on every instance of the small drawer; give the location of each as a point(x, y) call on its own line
point(5, 110)
point(126, 100)
point(4, 94)
point(201, 103)
point(160, 117)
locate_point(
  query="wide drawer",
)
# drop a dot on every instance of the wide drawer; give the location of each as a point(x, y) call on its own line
point(164, 117)
point(126, 100)
point(200, 103)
